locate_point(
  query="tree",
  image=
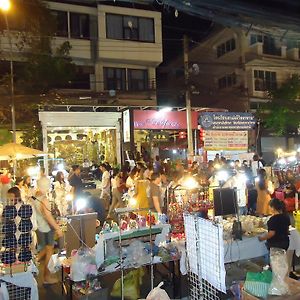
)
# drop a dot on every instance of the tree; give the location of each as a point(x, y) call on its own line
point(40, 69)
point(282, 112)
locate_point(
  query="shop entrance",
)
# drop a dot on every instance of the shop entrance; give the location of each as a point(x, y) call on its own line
point(82, 137)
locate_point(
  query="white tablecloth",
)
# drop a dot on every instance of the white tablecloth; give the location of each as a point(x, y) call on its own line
point(251, 247)
point(24, 279)
point(295, 241)
point(247, 248)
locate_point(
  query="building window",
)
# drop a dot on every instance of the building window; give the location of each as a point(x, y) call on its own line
point(130, 28)
point(264, 80)
point(79, 26)
point(256, 38)
point(293, 44)
point(227, 81)
point(114, 79)
point(226, 47)
point(61, 22)
point(270, 45)
point(137, 80)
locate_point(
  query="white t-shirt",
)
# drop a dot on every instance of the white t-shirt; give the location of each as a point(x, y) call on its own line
point(105, 183)
point(256, 165)
point(239, 182)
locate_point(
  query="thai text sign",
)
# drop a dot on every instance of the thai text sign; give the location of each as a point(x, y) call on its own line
point(225, 140)
point(226, 121)
point(159, 136)
point(152, 119)
point(126, 126)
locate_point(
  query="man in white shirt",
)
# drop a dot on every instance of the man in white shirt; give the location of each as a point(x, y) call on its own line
point(256, 164)
point(238, 181)
point(105, 186)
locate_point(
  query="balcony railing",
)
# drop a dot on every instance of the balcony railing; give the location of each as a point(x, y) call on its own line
point(271, 50)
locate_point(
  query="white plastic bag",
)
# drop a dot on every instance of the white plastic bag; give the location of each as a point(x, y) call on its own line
point(99, 251)
point(279, 267)
point(158, 294)
point(83, 264)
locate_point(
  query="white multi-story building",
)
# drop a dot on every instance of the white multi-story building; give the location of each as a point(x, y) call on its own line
point(116, 51)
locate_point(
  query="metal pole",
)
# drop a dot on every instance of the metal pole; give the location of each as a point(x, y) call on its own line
point(187, 96)
point(45, 147)
point(12, 88)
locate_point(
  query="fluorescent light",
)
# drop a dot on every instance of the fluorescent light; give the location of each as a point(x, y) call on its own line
point(165, 109)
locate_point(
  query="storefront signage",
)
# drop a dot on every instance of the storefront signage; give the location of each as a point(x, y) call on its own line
point(153, 119)
point(126, 126)
point(226, 121)
point(159, 136)
point(225, 140)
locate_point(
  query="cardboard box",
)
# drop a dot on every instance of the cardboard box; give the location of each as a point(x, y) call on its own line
point(294, 287)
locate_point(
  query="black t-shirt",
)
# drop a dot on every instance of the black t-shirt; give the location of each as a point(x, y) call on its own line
point(76, 182)
point(96, 205)
point(280, 224)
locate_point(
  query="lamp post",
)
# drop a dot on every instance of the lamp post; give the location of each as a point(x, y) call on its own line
point(5, 6)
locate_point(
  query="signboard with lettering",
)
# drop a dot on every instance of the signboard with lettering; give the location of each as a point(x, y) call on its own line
point(225, 140)
point(126, 126)
point(226, 121)
point(153, 119)
point(159, 136)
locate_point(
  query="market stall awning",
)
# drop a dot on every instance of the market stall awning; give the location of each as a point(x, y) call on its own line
point(14, 151)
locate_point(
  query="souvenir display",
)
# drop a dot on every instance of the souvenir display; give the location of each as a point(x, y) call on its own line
point(9, 212)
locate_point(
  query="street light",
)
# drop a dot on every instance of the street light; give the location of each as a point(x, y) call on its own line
point(5, 6)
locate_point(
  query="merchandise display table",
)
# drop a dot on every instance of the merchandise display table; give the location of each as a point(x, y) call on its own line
point(172, 267)
point(167, 255)
point(25, 286)
point(247, 248)
point(251, 247)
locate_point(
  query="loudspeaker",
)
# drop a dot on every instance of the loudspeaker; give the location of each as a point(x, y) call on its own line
point(225, 202)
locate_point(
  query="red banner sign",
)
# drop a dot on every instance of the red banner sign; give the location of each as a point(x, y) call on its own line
point(152, 119)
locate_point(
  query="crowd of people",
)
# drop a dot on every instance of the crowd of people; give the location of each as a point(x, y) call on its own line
point(146, 183)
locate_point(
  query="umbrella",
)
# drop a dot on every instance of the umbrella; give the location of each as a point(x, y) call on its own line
point(13, 151)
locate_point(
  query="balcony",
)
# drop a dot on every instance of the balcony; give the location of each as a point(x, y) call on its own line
point(88, 97)
point(293, 53)
point(81, 48)
point(264, 49)
point(270, 50)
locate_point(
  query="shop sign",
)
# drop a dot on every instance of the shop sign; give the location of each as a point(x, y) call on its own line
point(126, 126)
point(225, 140)
point(226, 121)
point(159, 136)
point(153, 119)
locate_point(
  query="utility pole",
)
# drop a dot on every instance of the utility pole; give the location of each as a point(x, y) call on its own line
point(187, 96)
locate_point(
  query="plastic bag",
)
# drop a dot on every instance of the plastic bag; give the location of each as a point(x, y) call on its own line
point(158, 294)
point(257, 284)
point(83, 264)
point(111, 249)
point(55, 263)
point(279, 267)
point(132, 282)
point(136, 255)
point(99, 251)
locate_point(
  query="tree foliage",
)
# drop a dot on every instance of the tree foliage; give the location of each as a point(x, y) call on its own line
point(33, 29)
point(282, 112)
point(39, 69)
